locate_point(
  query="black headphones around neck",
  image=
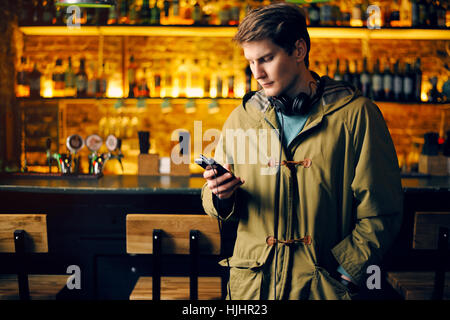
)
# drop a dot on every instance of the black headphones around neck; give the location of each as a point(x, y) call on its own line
point(300, 105)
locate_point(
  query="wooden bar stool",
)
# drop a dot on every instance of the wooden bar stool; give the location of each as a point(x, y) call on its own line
point(431, 232)
point(159, 234)
point(23, 234)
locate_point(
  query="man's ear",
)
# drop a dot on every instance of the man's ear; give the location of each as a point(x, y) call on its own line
point(300, 50)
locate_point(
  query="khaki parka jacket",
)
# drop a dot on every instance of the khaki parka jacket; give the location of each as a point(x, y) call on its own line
point(344, 202)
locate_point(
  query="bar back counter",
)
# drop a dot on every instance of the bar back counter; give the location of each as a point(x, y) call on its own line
point(86, 222)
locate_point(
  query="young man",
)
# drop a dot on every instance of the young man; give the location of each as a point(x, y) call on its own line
point(333, 205)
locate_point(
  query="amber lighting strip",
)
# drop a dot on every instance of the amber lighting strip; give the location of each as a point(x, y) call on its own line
point(189, 31)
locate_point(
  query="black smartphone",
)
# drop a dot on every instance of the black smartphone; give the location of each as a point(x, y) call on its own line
point(204, 162)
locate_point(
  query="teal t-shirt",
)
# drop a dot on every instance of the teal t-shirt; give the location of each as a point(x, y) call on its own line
point(293, 124)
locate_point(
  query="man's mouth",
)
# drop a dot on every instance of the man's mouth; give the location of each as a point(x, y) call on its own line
point(266, 85)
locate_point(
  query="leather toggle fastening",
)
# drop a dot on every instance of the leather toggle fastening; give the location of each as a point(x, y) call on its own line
point(270, 240)
point(291, 164)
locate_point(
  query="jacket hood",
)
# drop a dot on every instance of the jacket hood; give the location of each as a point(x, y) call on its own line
point(335, 95)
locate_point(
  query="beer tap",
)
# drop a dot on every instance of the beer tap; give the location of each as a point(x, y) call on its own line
point(71, 162)
point(94, 143)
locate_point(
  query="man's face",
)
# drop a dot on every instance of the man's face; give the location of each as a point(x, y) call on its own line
point(275, 70)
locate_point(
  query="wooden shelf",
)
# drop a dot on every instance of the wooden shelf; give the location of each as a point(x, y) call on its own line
point(224, 31)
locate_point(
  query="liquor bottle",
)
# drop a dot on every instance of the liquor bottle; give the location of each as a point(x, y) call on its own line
point(423, 11)
point(417, 81)
point(195, 86)
point(394, 17)
point(182, 78)
point(58, 79)
point(166, 12)
point(123, 12)
point(101, 83)
point(431, 19)
point(81, 80)
point(356, 17)
point(398, 82)
point(92, 75)
point(155, 14)
point(346, 13)
point(132, 67)
point(37, 13)
point(133, 13)
point(167, 88)
point(49, 12)
point(408, 84)
point(414, 13)
point(337, 72)
point(314, 15)
point(365, 81)
point(141, 89)
point(441, 14)
point(219, 80)
point(388, 82)
point(235, 13)
point(22, 85)
point(175, 12)
point(112, 15)
point(70, 89)
point(155, 89)
point(248, 79)
point(206, 78)
point(356, 76)
point(347, 76)
point(325, 15)
point(25, 13)
point(377, 82)
point(35, 82)
point(197, 14)
point(145, 13)
point(405, 13)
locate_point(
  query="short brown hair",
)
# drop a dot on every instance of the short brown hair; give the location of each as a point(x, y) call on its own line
point(283, 23)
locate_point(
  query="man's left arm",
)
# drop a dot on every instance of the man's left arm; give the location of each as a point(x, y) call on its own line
point(377, 193)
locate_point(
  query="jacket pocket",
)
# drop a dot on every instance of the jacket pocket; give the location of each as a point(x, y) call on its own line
point(325, 287)
point(246, 277)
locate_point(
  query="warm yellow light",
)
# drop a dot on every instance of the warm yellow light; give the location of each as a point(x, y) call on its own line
point(240, 90)
point(48, 89)
point(423, 96)
point(356, 23)
point(194, 92)
point(114, 91)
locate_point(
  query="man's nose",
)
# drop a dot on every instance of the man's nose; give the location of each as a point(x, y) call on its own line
point(258, 71)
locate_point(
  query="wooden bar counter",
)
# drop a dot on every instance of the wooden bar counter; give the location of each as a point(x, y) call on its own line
point(86, 224)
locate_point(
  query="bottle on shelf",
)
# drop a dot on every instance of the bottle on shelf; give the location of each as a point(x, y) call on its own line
point(197, 14)
point(58, 79)
point(377, 82)
point(414, 13)
point(356, 19)
point(417, 81)
point(101, 83)
point(132, 68)
point(405, 13)
point(92, 75)
point(112, 15)
point(408, 84)
point(155, 14)
point(133, 16)
point(388, 82)
point(181, 80)
point(49, 12)
point(81, 80)
point(346, 13)
point(394, 14)
point(326, 15)
point(314, 15)
point(156, 83)
point(398, 82)
point(141, 89)
point(35, 82)
point(356, 76)
point(206, 78)
point(219, 80)
point(337, 72)
point(195, 85)
point(167, 87)
point(123, 12)
point(70, 89)
point(145, 13)
point(423, 11)
point(22, 81)
point(37, 13)
point(347, 76)
point(165, 12)
point(365, 79)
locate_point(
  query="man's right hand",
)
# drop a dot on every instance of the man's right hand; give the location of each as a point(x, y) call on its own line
point(222, 186)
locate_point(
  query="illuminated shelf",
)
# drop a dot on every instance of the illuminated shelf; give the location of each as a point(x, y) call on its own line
point(224, 31)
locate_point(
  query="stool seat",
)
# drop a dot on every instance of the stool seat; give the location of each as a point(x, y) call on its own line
point(416, 285)
point(177, 288)
point(42, 287)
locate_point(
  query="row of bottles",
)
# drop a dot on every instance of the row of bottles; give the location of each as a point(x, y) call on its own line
point(181, 77)
point(396, 13)
point(59, 81)
point(400, 82)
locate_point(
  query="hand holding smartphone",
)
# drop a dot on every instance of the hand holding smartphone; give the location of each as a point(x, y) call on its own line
point(223, 183)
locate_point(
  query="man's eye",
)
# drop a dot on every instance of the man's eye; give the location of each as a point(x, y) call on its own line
point(267, 59)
